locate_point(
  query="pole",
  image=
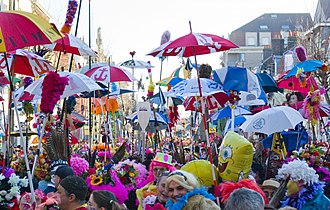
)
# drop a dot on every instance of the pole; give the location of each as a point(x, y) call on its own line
point(204, 119)
point(90, 99)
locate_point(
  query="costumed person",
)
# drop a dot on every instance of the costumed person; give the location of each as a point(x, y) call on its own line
point(105, 200)
point(235, 157)
point(162, 162)
point(244, 198)
point(185, 193)
point(158, 201)
point(227, 188)
point(295, 100)
point(304, 190)
point(269, 187)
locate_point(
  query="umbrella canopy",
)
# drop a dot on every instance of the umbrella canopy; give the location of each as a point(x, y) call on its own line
point(193, 44)
point(21, 29)
point(190, 88)
point(24, 62)
point(293, 83)
point(160, 117)
point(237, 78)
point(272, 120)
point(267, 82)
point(226, 112)
point(73, 45)
point(238, 120)
point(121, 91)
point(306, 66)
point(169, 81)
point(77, 83)
point(213, 101)
point(110, 73)
point(136, 64)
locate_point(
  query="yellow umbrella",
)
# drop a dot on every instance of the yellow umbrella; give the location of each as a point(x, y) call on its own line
point(202, 171)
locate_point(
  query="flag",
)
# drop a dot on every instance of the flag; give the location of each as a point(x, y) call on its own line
point(278, 145)
point(72, 139)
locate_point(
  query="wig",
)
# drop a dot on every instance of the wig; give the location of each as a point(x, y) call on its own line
point(183, 178)
point(226, 188)
point(298, 170)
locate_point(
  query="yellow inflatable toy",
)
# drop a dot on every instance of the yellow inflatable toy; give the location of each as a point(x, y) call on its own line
point(202, 171)
point(235, 157)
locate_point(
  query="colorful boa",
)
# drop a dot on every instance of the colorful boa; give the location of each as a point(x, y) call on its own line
point(70, 14)
point(311, 106)
point(304, 195)
point(52, 88)
point(170, 205)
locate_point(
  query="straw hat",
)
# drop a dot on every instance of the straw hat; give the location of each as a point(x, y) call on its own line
point(270, 183)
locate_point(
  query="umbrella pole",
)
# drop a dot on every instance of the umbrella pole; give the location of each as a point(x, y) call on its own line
point(5, 152)
point(204, 119)
point(35, 162)
point(28, 171)
point(232, 117)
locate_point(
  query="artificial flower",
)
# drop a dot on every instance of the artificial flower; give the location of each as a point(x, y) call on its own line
point(96, 180)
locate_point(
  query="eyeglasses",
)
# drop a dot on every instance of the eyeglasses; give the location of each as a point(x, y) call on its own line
point(179, 174)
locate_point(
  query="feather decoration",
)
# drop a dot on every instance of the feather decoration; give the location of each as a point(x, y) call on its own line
point(165, 37)
point(70, 15)
point(301, 53)
point(311, 107)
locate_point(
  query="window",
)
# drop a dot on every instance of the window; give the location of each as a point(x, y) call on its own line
point(265, 41)
point(273, 16)
point(251, 41)
point(263, 27)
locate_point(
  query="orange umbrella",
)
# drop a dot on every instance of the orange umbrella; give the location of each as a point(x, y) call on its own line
point(19, 29)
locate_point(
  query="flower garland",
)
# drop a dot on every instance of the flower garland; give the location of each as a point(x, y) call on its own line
point(52, 88)
point(130, 173)
point(10, 189)
point(107, 180)
point(70, 14)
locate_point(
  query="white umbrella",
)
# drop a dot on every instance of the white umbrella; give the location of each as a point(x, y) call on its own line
point(77, 83)
point(273, 120)
point(137, 64)
point(190, 88)
point(160, 117)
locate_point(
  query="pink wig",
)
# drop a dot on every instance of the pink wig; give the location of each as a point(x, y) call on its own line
point(151, 176)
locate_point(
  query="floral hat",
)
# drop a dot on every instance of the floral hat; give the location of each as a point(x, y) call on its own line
point(163, 158)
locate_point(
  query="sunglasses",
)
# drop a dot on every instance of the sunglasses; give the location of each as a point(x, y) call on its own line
point(179, 174)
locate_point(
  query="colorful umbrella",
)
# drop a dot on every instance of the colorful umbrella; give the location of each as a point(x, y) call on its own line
point(160, 117)
point(21, 29)
point(267, 82)
point(193, 44)
point(293, 83)
point(73, 45)
point(306, 66)
point(272, 120)
point(213, 101)
point(169, 81)
point(25, 62)
point(77, 83)
point(137, 64)
point(190, 88)
point(226, 113)
point(121, 91)
point(110, 73)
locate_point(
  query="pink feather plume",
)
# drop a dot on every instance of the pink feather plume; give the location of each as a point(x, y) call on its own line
point(165, 37)
point(301, 53)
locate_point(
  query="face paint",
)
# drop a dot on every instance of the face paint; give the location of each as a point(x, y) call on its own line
point(293, 187)
point(235, 157)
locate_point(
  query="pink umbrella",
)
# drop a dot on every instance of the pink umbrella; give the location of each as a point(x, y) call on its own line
point(292, 83)
point(110, 73)
point(73, 45)
point(193, 44)
point(25, 62)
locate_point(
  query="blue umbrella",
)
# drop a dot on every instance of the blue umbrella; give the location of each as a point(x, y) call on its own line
point(238, 120)
point(226, 112)
point(267, 82)
point(121, 91)
point(306, 66)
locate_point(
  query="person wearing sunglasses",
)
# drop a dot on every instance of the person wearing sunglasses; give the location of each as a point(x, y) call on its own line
point(184, 192)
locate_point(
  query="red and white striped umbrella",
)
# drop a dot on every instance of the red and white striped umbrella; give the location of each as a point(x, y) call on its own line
point(193, 44)
point(110, 73)
point(73, 45)
point(213, 101)
point(25, 62)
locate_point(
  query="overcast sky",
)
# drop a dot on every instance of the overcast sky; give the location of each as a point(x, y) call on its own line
point(129, 25)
